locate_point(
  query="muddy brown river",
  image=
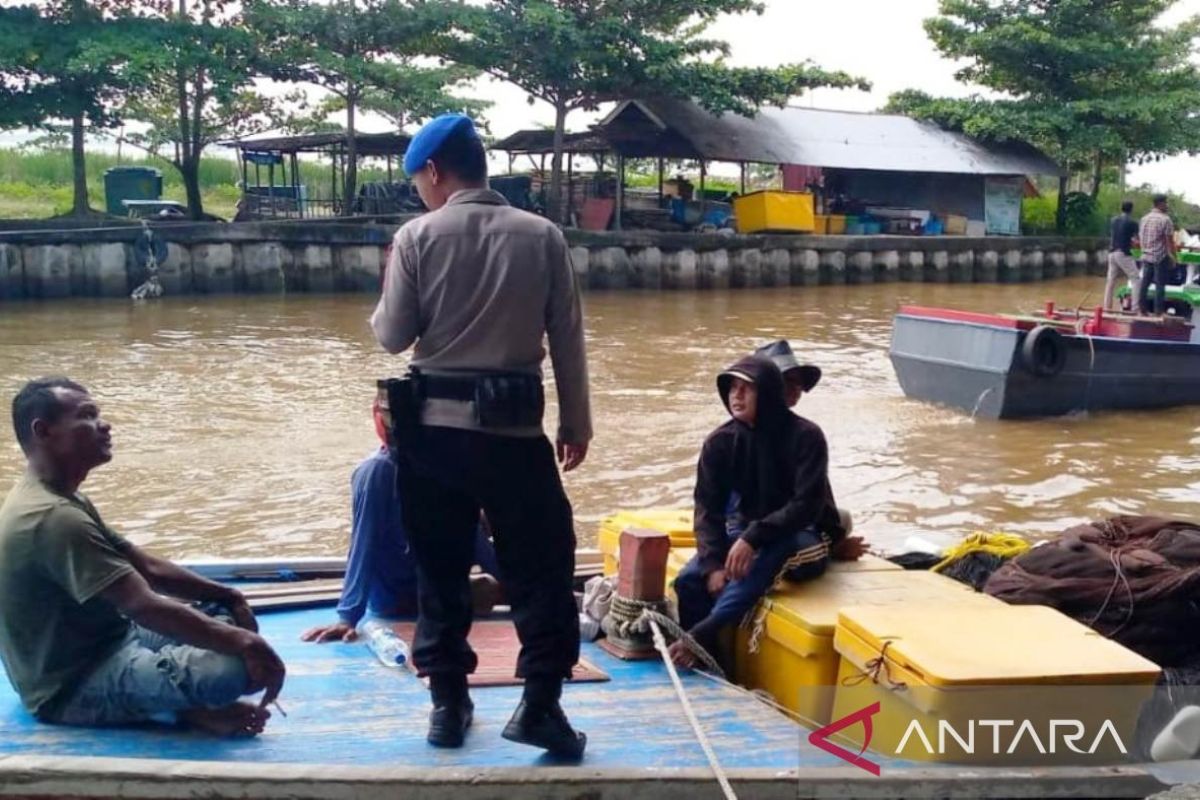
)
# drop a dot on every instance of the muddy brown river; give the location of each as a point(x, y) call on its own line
point(238, 420)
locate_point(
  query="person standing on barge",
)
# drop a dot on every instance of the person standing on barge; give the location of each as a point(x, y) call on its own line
point(476, 286)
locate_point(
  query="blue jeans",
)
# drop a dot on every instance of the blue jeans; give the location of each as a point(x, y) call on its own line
point(152, 677)
point(704, 615)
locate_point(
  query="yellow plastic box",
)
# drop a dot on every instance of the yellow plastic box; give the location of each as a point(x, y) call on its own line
point(837, 225)
point(680, 556)
point(675, 522)
point(956, 225)
point(820, 224)
point(787, 212)
point(1001, 685)
point(796, 661)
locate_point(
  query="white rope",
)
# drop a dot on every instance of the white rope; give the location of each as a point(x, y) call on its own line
point(660, 644)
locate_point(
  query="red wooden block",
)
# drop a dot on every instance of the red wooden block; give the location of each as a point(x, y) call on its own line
point(642, 573)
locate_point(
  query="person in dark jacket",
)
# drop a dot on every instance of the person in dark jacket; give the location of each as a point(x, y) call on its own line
point(784, 523)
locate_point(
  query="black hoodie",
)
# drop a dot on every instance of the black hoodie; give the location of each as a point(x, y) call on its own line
point(779, 469)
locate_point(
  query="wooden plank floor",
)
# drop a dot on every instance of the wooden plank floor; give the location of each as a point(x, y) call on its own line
point(345, 708)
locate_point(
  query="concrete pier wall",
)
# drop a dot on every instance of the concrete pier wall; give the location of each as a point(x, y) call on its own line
point(40, 264)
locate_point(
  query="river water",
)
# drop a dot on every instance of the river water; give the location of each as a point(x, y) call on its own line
point(238, 420)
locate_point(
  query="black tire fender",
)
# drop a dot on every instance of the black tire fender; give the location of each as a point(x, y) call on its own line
point(1044, 353)
point(145, 245)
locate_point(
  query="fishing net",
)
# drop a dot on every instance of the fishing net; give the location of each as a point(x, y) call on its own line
point(1135, 580)
point(974, 569)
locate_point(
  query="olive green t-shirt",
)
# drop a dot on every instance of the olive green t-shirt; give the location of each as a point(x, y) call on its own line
point(56, 556)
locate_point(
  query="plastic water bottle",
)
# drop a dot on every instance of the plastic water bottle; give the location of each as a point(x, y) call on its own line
point(389, 648)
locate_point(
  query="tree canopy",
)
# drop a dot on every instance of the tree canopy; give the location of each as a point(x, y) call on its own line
point(359, 50)
point(1091, 82)
point(577, 54)
point(191, 83)
point(56, 66)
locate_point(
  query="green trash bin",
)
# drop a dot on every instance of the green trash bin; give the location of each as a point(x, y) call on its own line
point(130, 183)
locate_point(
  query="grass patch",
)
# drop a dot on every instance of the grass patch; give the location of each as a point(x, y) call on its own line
point(37, 184)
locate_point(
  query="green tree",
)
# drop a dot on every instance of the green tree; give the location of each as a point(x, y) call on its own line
point(351, 48)
point(577, 54)
point(427, 93)
point(192, 84)
point(55, 66)
point(1093, 83)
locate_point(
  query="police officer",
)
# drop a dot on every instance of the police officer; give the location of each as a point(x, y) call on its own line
point(477, 285)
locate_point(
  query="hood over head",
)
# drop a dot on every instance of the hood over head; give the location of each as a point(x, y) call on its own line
point(767, 379)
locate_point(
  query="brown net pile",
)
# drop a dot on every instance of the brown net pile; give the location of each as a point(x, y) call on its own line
point(1135, 580)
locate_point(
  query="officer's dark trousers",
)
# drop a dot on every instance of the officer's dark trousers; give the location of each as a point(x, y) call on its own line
point(446, 476)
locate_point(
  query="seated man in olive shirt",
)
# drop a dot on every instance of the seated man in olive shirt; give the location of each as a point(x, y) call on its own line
point(85, 635)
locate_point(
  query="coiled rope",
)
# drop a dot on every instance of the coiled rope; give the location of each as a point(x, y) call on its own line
point(1004, 545)
point(631, 618)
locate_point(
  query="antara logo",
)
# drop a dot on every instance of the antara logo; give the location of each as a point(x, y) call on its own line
point(1007, 735)
point(1057, 731)
point(820, 738)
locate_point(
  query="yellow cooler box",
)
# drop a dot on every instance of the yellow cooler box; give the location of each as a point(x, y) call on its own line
point(680, 556)
point(795, 659)
point(787, 212)
point(1004, 685)
point(675, 522)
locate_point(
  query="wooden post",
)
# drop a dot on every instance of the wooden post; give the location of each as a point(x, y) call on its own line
point(743, 165)
point(661, 167)
point(389, 167)
point(620, 191)
point(300, 207)
point(703, 197)
point(642, 576)
point(570, 187)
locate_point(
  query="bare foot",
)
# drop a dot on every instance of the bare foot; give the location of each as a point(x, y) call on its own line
point(236, 720)
point(682, 655)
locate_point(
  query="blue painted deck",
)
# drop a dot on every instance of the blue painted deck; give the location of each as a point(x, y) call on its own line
point(345, 708)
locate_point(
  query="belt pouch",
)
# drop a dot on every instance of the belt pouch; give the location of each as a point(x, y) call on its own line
point(509, 401)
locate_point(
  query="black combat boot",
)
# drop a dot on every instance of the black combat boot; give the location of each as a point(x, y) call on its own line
point(452, 710)
point(539, 720)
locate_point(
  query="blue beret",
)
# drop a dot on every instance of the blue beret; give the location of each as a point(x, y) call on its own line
point(433, 135)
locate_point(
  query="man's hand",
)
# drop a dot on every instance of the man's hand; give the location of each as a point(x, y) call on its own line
point(264, 667)
point(716, 581)
point(851, 548)
point(571, 455)
point(243, 615)
point(740, 558)
point(337, 632)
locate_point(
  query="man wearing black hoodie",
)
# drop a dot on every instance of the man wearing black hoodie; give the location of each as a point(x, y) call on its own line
point(784, 523)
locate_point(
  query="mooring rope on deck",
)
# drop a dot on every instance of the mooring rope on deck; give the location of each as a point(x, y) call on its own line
point(660, 644)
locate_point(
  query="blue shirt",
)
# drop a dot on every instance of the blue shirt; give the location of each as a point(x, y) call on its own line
point(381, 574)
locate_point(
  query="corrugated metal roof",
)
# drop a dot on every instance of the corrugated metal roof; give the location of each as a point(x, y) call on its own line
point(812, 137)
point(542, 141)
point(367, 144)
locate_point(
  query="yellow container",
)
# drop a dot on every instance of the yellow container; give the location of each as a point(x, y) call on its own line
point(796, 661)
point(680, 556)
point(673, 521)
point(787, 212)
point(956, 225)
point(820, 224)
point(837, 224)
point(1006, 685)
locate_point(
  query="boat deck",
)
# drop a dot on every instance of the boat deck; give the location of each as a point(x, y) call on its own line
point(356, 729)
point(345, 708)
